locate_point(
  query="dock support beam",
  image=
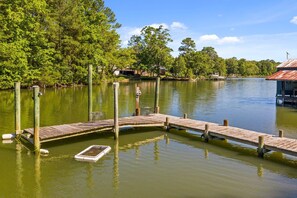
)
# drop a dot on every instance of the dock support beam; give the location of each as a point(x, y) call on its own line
point(205, 133)
point(116, 110)
point(90, 88)
point(226, 123)
point(157, 91)
point(36, 121)
point(166, 124)
point(280, 133)
point(261, 149)
point(17, 100)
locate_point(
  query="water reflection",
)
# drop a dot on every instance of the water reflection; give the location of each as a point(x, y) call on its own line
point(116, 159)
point(286, 120)
point(37, 172)
point(19, 170)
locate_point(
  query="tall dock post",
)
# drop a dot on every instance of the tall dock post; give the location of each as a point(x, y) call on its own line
point(90, 86)
point(226, 123)
point(137, 107)
point(280, 133)
point(157, 90)
point(116, 110)
point(261, 149)
point(17, 100)
point(36, 121)
point(205, 133)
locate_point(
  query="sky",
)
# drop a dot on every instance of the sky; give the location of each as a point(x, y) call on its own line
point(250, 29)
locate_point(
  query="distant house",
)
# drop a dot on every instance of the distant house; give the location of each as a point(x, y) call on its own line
point(286, 77)
point(125, 72)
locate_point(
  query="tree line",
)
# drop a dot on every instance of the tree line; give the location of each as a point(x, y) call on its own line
point(52, 42)
point(152, 53)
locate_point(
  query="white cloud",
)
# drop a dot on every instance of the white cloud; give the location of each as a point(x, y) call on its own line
point(178, 25)
point(229, 39)
point(135, 31)
point(214, 38)
point(294, 20)
point(156, 25)
point(209, 37)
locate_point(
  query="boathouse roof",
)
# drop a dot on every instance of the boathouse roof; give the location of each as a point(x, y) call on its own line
point(286, 71)
point(284, 75)
point(291, 63)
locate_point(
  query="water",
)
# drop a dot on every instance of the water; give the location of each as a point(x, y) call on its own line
point(144, 163)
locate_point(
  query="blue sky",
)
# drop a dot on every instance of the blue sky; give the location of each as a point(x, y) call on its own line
point(250, 29)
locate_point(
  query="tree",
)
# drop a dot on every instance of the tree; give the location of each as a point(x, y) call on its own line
point(266, 67)
point(232, 66)
point(151, 48)
point(179, 68)
point(187, 46)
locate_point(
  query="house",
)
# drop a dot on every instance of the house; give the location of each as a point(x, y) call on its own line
point(286, 77)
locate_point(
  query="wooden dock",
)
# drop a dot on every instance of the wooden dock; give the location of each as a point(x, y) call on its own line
point(263, 141)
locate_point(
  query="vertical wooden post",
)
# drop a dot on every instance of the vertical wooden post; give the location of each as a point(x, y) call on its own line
point(36, 118)
point(226, 123)
point(137, 107)
point(205, 133)
point(261, 146)
point(185, 116)
point(17, 105)
point(166, 123)
point(116, 110)
point(157, 90)
point(90, 87)
point(280, 133)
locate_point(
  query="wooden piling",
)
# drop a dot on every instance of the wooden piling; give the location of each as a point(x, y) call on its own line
point(166, 124)
point(261, 146)
point(116, 110)
point(226, 123)
point(205, 133)
point(185, 116)
point(36, 120)
point(280, 133)
point(157, 90)
point(90, 88)
point(137, 106)
point(17, 100)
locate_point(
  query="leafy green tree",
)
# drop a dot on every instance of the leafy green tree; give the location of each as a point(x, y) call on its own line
point(151, 48)
point(188, 45)
point(266, 67)
point(232, 66)
point(179, 68)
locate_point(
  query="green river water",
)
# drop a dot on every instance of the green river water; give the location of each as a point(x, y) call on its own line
point(144, 163)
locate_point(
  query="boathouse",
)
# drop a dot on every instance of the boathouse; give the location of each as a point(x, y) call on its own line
point(286, 77)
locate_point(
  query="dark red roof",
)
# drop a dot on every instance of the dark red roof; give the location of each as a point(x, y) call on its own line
point(288, 75)
point(292, 63)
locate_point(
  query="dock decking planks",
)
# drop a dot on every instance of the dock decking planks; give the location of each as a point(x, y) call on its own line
point(285, 145)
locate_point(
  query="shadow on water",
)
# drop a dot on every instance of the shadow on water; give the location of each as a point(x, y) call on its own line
point(238, 152)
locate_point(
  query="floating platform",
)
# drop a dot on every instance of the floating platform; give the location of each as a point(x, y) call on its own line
point(92, 153)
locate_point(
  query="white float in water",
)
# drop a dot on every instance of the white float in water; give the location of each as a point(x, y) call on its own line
point(8, 136)
point(7, 141)
point(92, 153)
point(44, 151)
